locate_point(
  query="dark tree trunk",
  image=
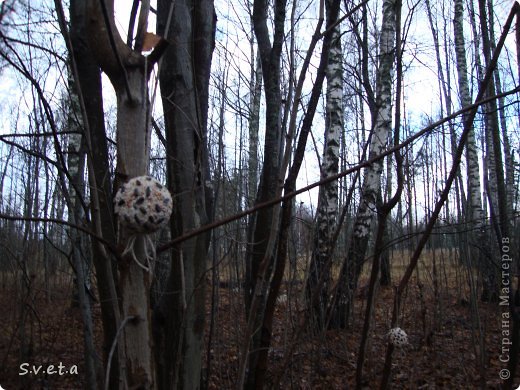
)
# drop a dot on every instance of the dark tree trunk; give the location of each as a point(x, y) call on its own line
point(184, 77)
point(89, 85)
point(260, 374)
point(260, 252)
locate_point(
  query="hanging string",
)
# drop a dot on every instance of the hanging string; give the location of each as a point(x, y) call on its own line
point(149, 251)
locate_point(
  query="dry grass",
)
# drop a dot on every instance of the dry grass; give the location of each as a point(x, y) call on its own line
point(436, 312)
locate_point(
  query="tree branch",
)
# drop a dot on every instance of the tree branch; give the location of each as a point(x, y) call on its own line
point(106, 43)
point(344, 173)
point(83, 229)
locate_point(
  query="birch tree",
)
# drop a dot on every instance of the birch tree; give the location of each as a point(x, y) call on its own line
point(474, 212)
point(495, 173)
point(327, 208)
point(371, 187)
point(286, 213)
point(499, 211)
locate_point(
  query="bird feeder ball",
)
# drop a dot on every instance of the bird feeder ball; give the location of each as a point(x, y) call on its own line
point(398, 337)
point(143, 205)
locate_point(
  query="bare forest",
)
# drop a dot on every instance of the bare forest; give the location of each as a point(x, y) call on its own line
point(259, 194)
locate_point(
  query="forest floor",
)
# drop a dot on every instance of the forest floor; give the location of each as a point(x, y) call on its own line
point(443, 349)
point(442, 326)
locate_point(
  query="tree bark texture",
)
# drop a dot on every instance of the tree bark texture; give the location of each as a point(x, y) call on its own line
point(184, 79)
point(327, 209)
point(254, 128)
point(89, 85)
point(353, 262)
point(260, 253)
point(265, 333)
point(76, 167)
point(495, 171)
point(128, 72)
point(474, 212)
point(499, 214)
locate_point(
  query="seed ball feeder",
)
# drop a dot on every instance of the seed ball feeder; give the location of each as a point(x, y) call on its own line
point(398, 337)
point(142, 206)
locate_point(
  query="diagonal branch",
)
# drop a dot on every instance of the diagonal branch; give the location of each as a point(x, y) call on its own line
point(142, 25)
point(468, 124)
point(106, 44)
point(344, 173)
point(112, 40)
point(131, 23)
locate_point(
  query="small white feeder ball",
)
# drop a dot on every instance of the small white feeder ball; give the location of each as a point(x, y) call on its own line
point(398, 337)
point(143, 205)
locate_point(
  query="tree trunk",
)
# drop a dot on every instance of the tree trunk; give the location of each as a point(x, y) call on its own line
point(128, 71)
point(386, 276)
point(184, 79)
point(260, 252)
point(327, 209)
point(76, 167)
point(474, 213)
point(254, 127)
point(353, 263)
point(265, 333)
point(499, 215)
point(495, 173)
point(89, 87)
point(508, 155)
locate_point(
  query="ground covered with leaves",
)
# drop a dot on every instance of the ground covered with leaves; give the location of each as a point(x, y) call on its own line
point(443, 351)
point(443, 326)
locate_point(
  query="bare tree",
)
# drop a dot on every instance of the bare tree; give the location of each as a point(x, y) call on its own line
point(498, 194)
point(475, 213)
point(184, 79)
point(88, 83)
point(128, 71)
point(76, 167)
point(327, 209)
point(261, 234)
point(382, 122)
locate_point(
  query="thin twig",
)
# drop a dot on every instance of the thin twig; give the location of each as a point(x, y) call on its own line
point(113, 348)
point(341, 174)
point(92, 234)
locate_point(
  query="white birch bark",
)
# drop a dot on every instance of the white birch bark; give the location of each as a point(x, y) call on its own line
point(372, 174)
point(493, 154)
point(475, 212)
point(508, 155)
point(327, 209)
